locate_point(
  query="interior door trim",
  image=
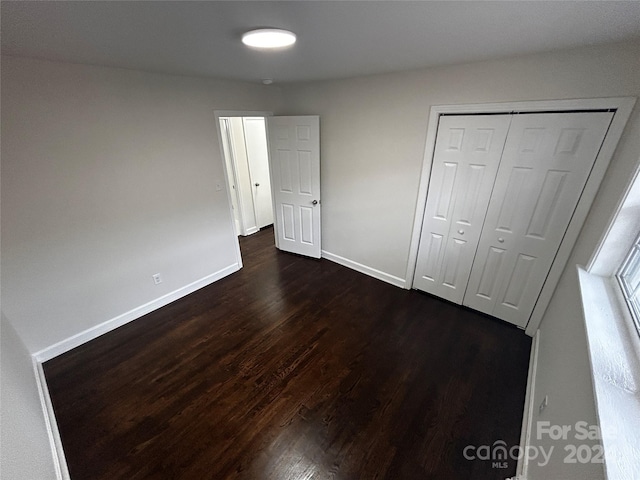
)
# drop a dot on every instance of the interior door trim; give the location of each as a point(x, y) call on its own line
point(622, 106)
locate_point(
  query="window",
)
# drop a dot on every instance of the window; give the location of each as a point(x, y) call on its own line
point(629, 278)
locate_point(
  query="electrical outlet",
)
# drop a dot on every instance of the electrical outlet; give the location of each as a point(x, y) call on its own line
point(157, 278)
point(543, 404)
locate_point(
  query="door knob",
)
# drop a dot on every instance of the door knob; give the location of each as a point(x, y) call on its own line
point(257, 184)
point(501, 240)
point(315, 202)
point(461, 232)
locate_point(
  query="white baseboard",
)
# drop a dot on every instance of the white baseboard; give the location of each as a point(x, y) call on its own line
point(60, 463)
point(59, 460)
point(529, 409)
point(78, 339)
point(372, 272)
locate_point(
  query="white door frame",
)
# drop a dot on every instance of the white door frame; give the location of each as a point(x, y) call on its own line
point(232, 175)
point(622, 106)
point(233, 113)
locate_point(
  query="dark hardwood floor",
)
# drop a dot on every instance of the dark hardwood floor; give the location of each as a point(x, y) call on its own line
point(293, 369)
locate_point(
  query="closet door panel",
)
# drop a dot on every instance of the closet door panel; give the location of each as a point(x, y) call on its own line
point(546, 162)
point(466, 159)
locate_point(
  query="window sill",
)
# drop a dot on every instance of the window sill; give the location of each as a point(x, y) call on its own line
point(615, 367)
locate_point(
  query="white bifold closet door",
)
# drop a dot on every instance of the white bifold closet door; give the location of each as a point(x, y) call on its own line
point(545, 161)
point(545, 165)
point(465, 164)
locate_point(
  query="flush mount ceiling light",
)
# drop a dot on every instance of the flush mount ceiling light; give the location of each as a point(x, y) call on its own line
point(269, 38)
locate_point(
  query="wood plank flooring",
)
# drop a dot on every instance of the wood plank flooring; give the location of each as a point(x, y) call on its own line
point(293, 369)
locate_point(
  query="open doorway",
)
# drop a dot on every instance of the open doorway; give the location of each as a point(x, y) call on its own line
point(263, 152)
point(246, 157)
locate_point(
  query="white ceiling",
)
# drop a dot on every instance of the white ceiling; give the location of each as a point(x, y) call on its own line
point(335, 39)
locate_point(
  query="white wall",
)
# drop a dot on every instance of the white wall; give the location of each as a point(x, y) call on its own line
point(108, 177)
point(24, 446)
point(373, 132)
point(373, 136)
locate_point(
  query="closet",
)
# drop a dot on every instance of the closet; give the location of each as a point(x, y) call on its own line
point(246, 156)
point(502, 191)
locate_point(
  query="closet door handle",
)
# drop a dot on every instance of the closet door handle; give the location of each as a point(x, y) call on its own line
point(500, 239)
point(315, 202)
point(461, 232)
point(257, 184)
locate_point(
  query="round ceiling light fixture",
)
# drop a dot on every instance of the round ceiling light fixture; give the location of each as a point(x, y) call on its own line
point(269, 38)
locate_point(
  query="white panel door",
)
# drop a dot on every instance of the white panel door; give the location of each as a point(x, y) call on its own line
point(255, 135)
point(294, 147)
point(546, 162)
point(465, 164)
